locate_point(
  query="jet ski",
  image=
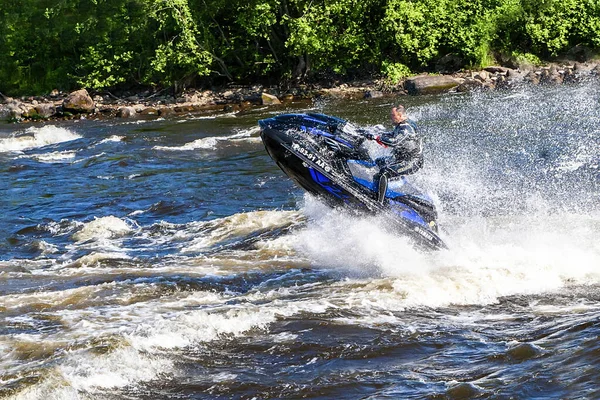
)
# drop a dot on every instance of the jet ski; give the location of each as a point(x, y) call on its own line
point(331, 158)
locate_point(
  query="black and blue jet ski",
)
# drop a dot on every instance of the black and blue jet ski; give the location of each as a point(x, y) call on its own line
point(330, 158)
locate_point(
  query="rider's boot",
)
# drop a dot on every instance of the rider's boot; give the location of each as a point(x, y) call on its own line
point(382, 187)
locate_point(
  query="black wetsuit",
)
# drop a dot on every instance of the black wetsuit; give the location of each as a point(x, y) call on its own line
point(407, 149)
point(406, 157)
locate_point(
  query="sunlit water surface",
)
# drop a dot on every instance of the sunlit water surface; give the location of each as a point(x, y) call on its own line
point(173, 259)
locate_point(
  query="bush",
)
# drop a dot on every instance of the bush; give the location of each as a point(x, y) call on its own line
point(394, 72)
point(102, 44)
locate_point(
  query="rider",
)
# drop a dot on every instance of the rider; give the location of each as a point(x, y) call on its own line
point(406, 156)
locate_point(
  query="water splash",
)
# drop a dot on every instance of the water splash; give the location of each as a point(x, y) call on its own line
point(211, 142)
point(35, 137)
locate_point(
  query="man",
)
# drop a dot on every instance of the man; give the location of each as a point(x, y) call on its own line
point(406, 155)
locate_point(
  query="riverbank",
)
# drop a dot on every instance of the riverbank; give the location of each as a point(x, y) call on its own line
point(81, 104)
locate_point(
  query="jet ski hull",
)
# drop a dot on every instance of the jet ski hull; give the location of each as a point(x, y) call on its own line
point(301, 145)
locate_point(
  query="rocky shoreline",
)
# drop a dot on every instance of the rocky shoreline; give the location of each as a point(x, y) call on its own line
point(80, 104)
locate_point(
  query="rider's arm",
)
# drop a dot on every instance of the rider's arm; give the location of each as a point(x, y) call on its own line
point(401, 132)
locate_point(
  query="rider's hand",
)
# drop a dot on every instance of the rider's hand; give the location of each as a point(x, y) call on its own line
point(370, 136)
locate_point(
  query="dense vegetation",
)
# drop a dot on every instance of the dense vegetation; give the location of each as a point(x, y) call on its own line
point(46, 44)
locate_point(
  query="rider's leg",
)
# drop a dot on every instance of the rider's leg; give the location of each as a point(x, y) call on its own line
point(382, 186)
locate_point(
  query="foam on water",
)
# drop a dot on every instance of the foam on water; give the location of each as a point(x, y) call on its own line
point(55, 156)
point(148, 330)
point(112, 139)
point(101, 317)
point(35, 137)
point(235, 226)
point(489, 257)
point(211, 143)
point(102, 228)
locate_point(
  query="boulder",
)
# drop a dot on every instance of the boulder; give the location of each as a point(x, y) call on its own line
point(149, 111)
point(429, 84)
point(79, 102)
point(532, 77)
point(569, 75)
point(496, 70)
point(4, 113)
point(373, 94)
point(165, 111)
point(45, 110)
point(470, 84)
point(15, 112)
point(449, 63)
point(502, 82)
point(269, 99)
point(551, 76)
point(580, 53)
point(29, 111)
point(126, 112)
point(483, 76)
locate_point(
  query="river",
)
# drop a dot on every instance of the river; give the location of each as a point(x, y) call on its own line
point(163, 259)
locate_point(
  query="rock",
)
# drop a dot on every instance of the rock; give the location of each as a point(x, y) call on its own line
point(126, 112)
point(149, 111)
point(551, 76)
point(269, 99)
point(428, 84)
point(184, 109)
point(55, 93)
point(28, 111)
point(165, 111)
point(373, 94)
point(463, 390)
point(524, 351)
point(449, 63)
point(482, 76)
point(496, 70)
point(192, 98)
point(14, 111)
point(502, 82)
point(45, 110)
point(596, 70)
point(469, 84)
point(247, 104)
point(514, 76)
point(569, 75)
point(580, 53)
point(79, 102)
point(532, 78)
point(4, 113)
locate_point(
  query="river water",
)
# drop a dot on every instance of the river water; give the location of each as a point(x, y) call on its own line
point(161, 259)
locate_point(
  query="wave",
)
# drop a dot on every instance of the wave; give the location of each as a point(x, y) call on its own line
point(102, 228)
point(238, 228)
point(146, 332)
point(211, 143)
point(112, 139)
point(488, 258)
point(55, 156)
point(35, 137)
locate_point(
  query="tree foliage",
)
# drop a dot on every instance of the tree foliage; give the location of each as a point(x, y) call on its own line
point(103, 44)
